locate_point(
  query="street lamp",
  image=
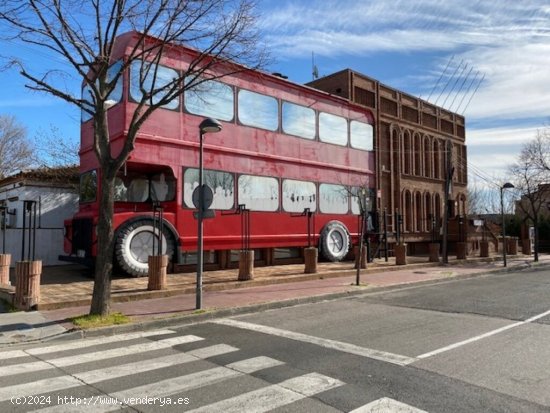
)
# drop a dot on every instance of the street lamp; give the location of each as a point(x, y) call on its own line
point(507, 185)
point(208, 125)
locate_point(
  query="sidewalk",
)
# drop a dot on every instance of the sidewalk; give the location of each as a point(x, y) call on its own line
point(67, 294)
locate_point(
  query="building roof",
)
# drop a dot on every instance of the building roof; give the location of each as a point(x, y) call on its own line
point(58, 175)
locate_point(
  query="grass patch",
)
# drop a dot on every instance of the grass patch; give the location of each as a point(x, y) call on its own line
point(92, 321)
point(199, 311)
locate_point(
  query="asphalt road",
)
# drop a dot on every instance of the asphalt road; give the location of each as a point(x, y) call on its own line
point(476, 345)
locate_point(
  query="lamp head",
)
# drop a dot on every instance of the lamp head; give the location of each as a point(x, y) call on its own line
point(210, 125)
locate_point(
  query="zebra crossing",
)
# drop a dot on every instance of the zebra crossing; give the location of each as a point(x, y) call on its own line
point(56, 378)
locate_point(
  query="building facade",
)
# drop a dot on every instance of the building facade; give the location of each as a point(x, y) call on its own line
point(417, 146)
point(54, 193)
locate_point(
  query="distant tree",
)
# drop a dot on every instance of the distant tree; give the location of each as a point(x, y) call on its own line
point(537, 150)
point(531, 178)
point(82, 34)
point(484, 198)
point(53, 150)
point(16, 152)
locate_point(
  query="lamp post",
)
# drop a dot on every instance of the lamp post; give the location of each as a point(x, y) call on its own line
point(208, 125)
point(507, 185)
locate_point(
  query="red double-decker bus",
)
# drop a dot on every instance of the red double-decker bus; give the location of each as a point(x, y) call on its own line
point(283, 149)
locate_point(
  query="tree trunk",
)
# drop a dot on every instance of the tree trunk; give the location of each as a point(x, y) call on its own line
point(101, 298)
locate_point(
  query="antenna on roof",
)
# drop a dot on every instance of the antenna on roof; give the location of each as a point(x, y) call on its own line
point(440, 77)
point(314, 70)
point(472, 95)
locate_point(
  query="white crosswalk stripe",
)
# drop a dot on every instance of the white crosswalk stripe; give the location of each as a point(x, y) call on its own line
point(263, 399)
point(80, 344)
point(277, 395)
point(95, 356)
point(387, 405)
point(175, 385)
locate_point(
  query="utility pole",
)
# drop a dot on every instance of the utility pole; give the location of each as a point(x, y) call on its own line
point(448, 181)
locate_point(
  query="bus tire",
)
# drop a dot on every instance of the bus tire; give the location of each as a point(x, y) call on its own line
point(334, 241)
point(133, 245)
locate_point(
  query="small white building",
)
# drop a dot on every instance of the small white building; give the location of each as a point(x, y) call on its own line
point(55, 195)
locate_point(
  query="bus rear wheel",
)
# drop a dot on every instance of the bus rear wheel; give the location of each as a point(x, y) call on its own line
point(134, 244)
point(334, 241)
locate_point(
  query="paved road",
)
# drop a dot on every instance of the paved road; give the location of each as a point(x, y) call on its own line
point(477, 345)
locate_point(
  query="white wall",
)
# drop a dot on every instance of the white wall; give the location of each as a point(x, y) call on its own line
point(54, 206)
point(49, 245)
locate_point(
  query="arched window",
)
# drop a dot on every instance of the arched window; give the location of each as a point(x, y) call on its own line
point(408, 211)
point(419, 216)
point(395, 152)
point(428, 211)
point(417, 154)
point(407, 153)
point(437, 208)
point(427, 157)
point(437, 159)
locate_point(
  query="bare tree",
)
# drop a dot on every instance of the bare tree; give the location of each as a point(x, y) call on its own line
point(53, 150)
point(15, 149)
point(531, 177)
point(83, 34)
point(537, 150)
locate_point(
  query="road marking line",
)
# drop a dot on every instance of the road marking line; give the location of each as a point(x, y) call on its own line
point(170, 386)
point(211, 351)
point(323, 342)
point(274, 396)
point(38, 387)
point(97, 355)
point(254, 364)
point(96, 376)
point(482, 336)
point(311, 384)
point(81, 344)
point(387, 405)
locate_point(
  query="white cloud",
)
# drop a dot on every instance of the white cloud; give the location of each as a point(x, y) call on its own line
point(492, 151)
point(500, 137)
point(507, 42)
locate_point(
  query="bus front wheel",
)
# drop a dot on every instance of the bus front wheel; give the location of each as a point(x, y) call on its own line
point(334, 241)
point(134, 244)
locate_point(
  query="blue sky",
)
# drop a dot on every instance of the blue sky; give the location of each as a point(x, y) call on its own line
point(405, 44)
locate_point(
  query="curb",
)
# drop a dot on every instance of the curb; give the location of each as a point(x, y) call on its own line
point(143, 294)
point(188, 319)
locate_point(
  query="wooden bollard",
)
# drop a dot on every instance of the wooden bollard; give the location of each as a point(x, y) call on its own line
point(400, 251)
point(27, 284)
point(246, 265)
point(433, 249)
point(310, 260)
point(5, 261)
point(461, 250)
point(526, 246)
point(484, 249)
point(512, 244)
point(157, 272)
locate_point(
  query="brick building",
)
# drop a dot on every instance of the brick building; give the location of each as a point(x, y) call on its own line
point(413, 139)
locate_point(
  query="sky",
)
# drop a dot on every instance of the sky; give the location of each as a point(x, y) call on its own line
point(488, 60)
